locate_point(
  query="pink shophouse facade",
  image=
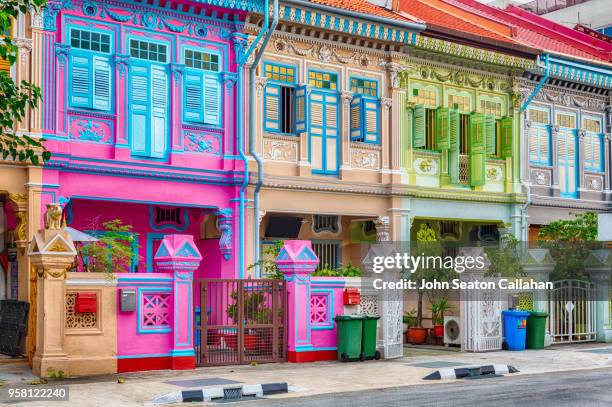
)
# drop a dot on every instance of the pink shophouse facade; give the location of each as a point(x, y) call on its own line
point(140, 116)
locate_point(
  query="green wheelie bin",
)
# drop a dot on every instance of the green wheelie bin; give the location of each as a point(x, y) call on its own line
point(349, 337)
point(368, 338)
point(536, 330)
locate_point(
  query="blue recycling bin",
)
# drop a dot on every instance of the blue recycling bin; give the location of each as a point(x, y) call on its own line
point(515, 328)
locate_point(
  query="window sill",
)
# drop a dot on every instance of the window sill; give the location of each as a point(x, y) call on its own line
point(93, 113)
point(545, 166)
point(282, 136)
point(427, 153)
point(368, 146)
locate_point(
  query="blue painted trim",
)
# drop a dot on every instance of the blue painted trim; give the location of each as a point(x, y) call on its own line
point(548, 159)
point(144, 355)
point(182, 353)
point(169, 225)
point(540, 84)
point(176, 316)
point(149, 253)
point(324, 136)
point(330, 307)
point(141, 292)
point(312, 348)
point(94, 198)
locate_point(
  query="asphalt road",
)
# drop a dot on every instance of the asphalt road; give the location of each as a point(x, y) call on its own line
point(576, 389)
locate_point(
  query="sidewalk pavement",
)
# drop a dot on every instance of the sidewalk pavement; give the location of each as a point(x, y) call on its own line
point(309, 378)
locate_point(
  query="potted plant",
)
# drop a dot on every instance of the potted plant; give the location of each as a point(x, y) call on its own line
point(438, 308)
point(255, 311)
point(409, 319)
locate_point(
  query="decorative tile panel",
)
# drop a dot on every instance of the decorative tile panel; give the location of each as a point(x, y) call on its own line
point(540, 177)
point(280, 150)
point(202, 142)
point(81, 320)
point(154, 312)
point(593, 182)
point(91, 130)
point(321, 309)
point(365, 158)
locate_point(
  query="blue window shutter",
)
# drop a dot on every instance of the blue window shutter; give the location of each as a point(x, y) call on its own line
point(272, 107)
point(356, 119)
point(331, 134)
point(102, 83)
point(316, 130)
point(139, 108)
point(300, 114)
point(81, 80)
point(159, 111)
point(212, 100)
point(370, 109)
point(193, 95)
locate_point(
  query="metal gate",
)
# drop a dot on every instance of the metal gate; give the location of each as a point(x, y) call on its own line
point(572, 311)
point(239, 321)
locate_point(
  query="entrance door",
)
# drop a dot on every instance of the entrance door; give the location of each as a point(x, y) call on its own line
point(323, 132)
point(572, 312)
point(566, 162)
point(239, 321)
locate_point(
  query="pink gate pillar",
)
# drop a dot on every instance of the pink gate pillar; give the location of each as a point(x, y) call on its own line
point(179, 255)
point(297, 262)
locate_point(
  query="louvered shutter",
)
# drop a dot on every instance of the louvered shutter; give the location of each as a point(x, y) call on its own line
point(477, 149)
point(139, 108)
point(418, 131)
point(272, 105)
point(370, 110)
point(5, 65)
point(316, 130)
point(356, 129)
point(159, 111)
point(453, 155)
point(212, 100)
point(443, 128)
point(300, 114)
point(193, 94)
point(102, 83)
point(507, 138)
point(490, 136)
point(331, 134)
point(81, 80)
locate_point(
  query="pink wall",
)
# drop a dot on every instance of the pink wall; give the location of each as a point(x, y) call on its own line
point(324, 338)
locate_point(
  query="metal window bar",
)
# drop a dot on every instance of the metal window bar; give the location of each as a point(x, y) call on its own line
point(328, 254)
point(464, 170)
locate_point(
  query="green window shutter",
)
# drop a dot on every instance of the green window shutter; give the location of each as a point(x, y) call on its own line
point(506, 136)
point(490, 135)
point(102, 83)
point(159, 111)
point(477, 149)
point(418, 130)
point(300, 114)
point(212, 100)
point(193, 111)
point(356, 119)
point(443, 128)
point(272, 106)
point(139, 108)
point(453, 157)
point(81, 80)
point(370, 110)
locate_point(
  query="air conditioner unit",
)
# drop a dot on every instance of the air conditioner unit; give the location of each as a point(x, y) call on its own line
point(452, 330)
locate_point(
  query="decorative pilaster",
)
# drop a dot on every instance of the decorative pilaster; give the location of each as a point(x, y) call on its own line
point(22, 70)
point(257, 111)
point(177, 71)
point(19, 203)
point(122, 68)
point(225, 223)
point(178, 254)
point(607, 187)
point(385, 139)
point(229, 80)
point(382, 224)
point(345, 156)
point(599, 268)
point(297, 261)
point(555, 165)
point(51, 253)
point(581, 134)
point(62, 54)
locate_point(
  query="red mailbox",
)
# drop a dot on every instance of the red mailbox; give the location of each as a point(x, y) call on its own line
point(352, 296)
point(86, 302)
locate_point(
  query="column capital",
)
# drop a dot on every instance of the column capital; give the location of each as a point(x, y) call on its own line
point(297, 260)
point(382, 224)
point(177, 254)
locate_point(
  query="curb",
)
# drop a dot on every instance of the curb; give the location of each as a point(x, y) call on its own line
point(464, 372)
point(226, 392)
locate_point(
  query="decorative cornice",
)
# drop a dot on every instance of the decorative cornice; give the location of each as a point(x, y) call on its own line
point(562, 96)
point(569, 204)
point(323, 52)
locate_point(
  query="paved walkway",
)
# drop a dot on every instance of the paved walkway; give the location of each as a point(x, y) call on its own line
point(310, 378)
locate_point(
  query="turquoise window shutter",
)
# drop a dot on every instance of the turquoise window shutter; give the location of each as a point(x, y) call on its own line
point(212, 100)
point(81, 80)
point(102, 83)
point(272, 104)
point(370, 109)
point(159, 111)
point(193, 93)
point(139, 108)
point(301, 113)
point(356, 119)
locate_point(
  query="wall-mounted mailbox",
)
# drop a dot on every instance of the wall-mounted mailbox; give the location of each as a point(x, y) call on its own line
point(128, 299)
point(86, 302)
point(352, 296)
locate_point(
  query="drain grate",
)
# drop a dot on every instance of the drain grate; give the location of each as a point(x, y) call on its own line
point(232, 393)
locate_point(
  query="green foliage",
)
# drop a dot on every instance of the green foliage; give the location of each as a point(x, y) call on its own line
point(267, 262)
point(570, 242)
point(345, 270)
point(114, 251)
point(255, 309)
point(504, 258)
point(410, 318)
point(438, 308)
point(16, 98)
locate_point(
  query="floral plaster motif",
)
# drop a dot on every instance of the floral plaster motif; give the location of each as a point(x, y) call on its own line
point(494, 173)
point(540, 177)
point(594, 182)
point(92, 130)
point(280, 150)
point(202, 142)
point(426, 166)
point(366, 159)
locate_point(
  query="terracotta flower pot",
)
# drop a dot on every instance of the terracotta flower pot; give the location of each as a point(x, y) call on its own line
point(438, 331)
point(417, 336)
